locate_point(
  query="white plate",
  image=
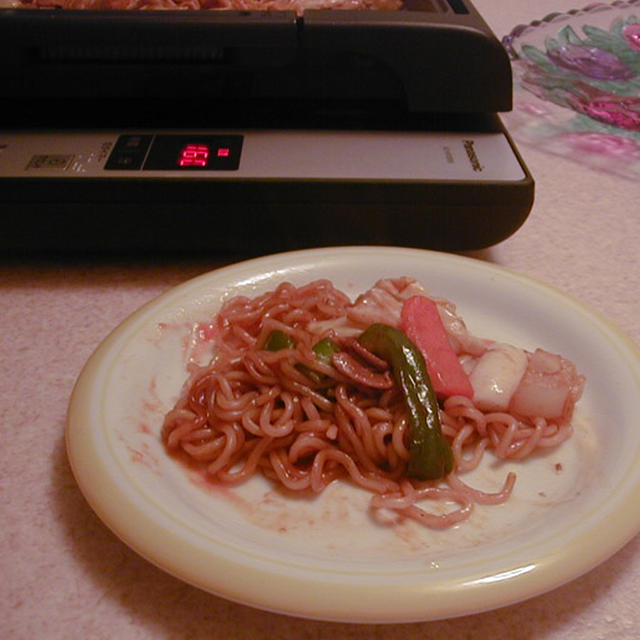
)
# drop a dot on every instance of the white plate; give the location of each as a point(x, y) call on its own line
point(325, 558)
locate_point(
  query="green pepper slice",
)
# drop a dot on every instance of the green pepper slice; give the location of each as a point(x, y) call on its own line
point(277, 340)
point(430, 455)
point(324, 349)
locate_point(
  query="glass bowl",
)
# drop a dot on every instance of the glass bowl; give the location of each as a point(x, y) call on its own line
point(577, 83)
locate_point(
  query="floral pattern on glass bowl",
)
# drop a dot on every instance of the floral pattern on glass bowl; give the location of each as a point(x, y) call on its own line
point(577, 85)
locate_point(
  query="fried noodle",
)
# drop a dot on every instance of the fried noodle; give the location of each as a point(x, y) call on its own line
point(215, 5)
point(252, 410)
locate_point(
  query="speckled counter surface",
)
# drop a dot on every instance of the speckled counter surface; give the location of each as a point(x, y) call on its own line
point(65, 576)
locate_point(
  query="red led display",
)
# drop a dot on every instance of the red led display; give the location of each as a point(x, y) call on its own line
point(192, 152)
point(194, 155)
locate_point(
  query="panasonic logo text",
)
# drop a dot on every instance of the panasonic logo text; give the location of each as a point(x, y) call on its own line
point(472, 155)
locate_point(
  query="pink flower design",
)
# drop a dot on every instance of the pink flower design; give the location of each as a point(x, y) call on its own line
point(631, 33)
point(619, 111)
point(591, 61)
point(603, 144)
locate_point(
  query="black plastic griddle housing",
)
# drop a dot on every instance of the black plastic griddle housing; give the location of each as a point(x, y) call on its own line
point(431, 56)
point(434, 65)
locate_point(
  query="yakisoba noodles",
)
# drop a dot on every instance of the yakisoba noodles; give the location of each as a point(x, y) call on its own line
point(217, 5)
point(305, 421)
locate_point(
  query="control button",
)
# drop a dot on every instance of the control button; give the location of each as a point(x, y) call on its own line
point(123, 161)
point(129, 152)
point(132, 142)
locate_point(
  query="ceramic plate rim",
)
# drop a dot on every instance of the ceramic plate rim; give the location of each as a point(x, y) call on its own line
point(291, 590)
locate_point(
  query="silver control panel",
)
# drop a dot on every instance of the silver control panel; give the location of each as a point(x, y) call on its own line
point(263, 154)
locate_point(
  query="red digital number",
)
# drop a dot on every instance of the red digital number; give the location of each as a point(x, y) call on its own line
point(194, 155)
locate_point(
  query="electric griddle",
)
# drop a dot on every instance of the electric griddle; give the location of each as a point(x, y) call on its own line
point(256, 131)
